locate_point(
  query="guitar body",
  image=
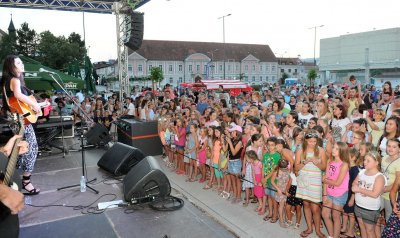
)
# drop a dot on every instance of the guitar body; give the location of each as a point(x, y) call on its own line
point(5, 211)
point(7, 169)
point(24, 109)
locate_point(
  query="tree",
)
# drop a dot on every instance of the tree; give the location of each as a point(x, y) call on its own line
point(312, 75)
point(284, 76)
point(27, 40)
point(6, 46)
point(156, 76)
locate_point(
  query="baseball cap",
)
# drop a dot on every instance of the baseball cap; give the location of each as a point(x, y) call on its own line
point(236, 128)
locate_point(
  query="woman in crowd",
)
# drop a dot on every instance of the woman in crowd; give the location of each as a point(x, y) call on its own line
point(309, 164)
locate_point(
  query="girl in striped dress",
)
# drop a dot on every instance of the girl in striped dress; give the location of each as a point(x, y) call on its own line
point(309, 164)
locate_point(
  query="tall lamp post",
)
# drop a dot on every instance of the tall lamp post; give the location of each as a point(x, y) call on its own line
point(315, 40)
point(212, 62)
point(223, 36)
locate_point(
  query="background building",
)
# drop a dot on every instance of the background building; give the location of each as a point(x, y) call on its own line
point(371, 56)
point(183, 61)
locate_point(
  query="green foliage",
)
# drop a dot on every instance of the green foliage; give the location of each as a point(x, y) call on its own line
point(7, 46)
point(156, 75)
point(284, 76)
point(312, 75)
point(27, 40)
point(256, 87)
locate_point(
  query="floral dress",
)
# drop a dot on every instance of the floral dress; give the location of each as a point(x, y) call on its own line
point(392, 228)
point(282, 180)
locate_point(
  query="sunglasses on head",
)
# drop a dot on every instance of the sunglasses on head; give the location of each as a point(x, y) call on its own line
point(311, 135)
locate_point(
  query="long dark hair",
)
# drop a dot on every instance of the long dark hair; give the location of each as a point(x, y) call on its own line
point(7, 75)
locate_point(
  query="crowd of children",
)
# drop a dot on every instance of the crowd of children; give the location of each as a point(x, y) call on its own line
point(341, 169)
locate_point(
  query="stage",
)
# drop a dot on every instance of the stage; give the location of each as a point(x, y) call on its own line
point(68, 213)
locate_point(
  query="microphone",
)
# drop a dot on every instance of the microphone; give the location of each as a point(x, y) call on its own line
point(46, 71)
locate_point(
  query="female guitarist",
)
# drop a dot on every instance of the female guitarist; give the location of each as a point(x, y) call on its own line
point(13, 85)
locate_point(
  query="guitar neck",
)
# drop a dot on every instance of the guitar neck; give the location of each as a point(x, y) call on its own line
point(12, 162)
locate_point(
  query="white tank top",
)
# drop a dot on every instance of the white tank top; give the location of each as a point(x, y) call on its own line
point(367, 182)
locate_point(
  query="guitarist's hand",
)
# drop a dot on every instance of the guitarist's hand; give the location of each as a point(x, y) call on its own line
point(11, 198)
point(36, 107)
point(23, 145)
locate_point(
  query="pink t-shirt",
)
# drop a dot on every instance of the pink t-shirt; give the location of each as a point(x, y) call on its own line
point(181, 140)
point(257, 167)
point(333, 174)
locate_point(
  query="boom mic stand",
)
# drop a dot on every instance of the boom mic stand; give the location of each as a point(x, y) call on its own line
point(81, 137)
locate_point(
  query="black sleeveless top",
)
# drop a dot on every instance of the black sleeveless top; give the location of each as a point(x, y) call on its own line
point(238, 154)
point(10, 93)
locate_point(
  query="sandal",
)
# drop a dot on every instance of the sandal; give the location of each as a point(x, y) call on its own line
point(273, 220)
point(267, 218)
point(296, 226)
point(305, 233)
point(207, 187)
point(245, 204)
point(27, 180)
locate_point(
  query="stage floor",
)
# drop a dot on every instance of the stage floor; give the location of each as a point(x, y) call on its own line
point(68, 213)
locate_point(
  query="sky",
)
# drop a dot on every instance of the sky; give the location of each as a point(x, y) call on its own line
point(284, 25)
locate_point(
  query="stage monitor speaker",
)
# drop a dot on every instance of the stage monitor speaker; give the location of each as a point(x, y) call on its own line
point(145, 182)
point(98, 133)
point(135, 31)
point(120, 158)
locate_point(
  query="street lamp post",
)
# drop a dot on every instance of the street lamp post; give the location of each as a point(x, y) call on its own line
point(223, 36)
point(315, 40)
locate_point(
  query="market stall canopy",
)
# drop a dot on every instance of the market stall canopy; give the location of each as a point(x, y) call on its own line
point(42, 81)
point(234, 87)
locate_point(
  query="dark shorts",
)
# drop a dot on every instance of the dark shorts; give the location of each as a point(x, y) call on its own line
point(292, 200)
point(368, 216)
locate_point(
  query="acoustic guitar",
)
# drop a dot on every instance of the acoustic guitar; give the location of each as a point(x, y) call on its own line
point(23, 109)
point(7, 176)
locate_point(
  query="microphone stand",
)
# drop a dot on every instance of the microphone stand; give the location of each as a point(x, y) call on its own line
point(82, 145)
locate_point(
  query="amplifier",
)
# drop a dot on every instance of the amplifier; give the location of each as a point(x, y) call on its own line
point(140, 134)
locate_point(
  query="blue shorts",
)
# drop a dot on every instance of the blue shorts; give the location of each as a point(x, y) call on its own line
point(235, 166)
point(339, 201)
point(180, 147)
point(270, 191)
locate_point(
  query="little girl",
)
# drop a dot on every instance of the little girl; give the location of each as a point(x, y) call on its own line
point(191, 149)
point(348, 216)
point(256, 145)
point(368, 187)
point(209, 155)
point(335, 190)
point(201, 154)
point(258, 169)
point(281, 181)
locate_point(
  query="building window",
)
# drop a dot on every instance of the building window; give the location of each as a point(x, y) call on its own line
point(160, 66)
point(180, 79)
point(171, 80)
point(260, 78)
point(237, 67)
point(254, 78)
point(198, 68)
point(273, 68)
point(170, 68)
point(267, 68)
point(295, 71)
point(229, 67)
point(261, 68)
point(282, 70)
point(254, 68)
point(190, 68)
point(220, 67)
point(290, 70)
point(266, 77)
point(273, 77)
point(205, 68)
point(140, 68)
point(180, 68)
point(130, 68)
point(150, 66)
point(246, 68)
